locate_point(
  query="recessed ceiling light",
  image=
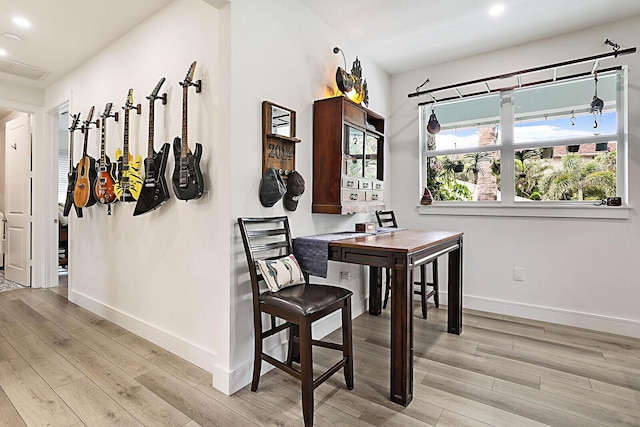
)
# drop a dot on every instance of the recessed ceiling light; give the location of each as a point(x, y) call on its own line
point(21, 22)
point(3, 52)
point(496, 10)
point(11, 36)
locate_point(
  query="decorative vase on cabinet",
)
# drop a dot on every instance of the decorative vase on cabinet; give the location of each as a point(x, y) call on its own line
point(348, 163)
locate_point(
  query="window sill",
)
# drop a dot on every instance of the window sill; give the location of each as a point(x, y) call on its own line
point(525, 210)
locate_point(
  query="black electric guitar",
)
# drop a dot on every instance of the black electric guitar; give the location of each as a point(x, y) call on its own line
point(104, 190)
point(154, 190)
point(71, 176)
point(85, 171)
point(187, 177)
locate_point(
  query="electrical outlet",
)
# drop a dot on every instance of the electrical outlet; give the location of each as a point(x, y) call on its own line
point(518, 274)
point(345, 275)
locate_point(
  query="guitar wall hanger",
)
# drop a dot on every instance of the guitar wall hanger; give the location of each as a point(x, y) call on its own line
point(163, 97)
point(197, 84)
point(115, 115)
point(138, 108)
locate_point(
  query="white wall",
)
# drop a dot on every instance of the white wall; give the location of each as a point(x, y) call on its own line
point(577, 271)
point(282, 53)
point(160, 274)
point(178, 276)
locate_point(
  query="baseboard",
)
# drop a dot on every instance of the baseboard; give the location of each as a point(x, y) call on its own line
point(187, 350)
point(597, 322)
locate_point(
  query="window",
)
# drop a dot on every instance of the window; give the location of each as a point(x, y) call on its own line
point(536, 144)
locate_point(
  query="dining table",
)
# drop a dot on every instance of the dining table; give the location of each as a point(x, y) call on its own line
point(400, 250)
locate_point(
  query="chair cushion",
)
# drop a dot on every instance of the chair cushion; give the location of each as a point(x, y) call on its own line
point(280, 273)
point(305, 299)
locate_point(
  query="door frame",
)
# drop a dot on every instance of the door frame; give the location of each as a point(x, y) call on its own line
point(54, 143)
point(42, 227)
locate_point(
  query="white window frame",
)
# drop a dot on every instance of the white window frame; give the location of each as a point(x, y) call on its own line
point(508, 206)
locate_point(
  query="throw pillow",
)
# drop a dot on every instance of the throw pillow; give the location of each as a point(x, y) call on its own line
point(280, 273)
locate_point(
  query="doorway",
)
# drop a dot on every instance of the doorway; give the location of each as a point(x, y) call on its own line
point(16, 195)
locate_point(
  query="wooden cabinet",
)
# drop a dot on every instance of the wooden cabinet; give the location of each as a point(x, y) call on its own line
point(348, 160)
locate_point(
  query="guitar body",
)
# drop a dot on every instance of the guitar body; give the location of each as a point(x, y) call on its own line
point(69, 201)
point(154, 190)
point(85, 179)
point(187, 178)
point(129, 183)
point(104, 190)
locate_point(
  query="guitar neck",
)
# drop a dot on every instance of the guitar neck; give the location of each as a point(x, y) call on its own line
point(125, 143)
point(151, 126)
point(185, 145)
point(71, 150)
point(86, 141)
point(103, 139)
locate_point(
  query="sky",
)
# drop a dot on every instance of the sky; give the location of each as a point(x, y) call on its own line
point(531, 131)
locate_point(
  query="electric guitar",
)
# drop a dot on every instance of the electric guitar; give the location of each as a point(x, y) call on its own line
point(104, 188)
point(71, 176)
point(187, 177)
point(129, 183)
point(86, 171)
point(154, 191)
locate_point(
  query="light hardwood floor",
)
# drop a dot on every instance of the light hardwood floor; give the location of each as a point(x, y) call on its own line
point(61, 365)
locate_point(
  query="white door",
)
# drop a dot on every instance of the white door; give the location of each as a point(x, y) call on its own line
point(18, 200)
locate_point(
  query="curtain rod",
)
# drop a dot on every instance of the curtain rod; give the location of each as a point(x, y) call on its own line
point(553, 79)
point(526, 71)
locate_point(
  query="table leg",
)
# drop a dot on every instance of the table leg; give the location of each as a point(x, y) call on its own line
point(375, 290)
point(401, 333)
point(454, 310)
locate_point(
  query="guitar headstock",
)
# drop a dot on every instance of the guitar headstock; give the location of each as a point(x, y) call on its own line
point(129, 103)
point(154, 93)
point(188, 80)
point(189, 77)
point(74, 122)
point(107, 110)
point(87, 122)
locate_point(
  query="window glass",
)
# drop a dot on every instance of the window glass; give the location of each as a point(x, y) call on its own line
point(471, 176)
point(353, 162)
point(461, 122)
point(371, 157)
point(563, 110)
point(561, 150)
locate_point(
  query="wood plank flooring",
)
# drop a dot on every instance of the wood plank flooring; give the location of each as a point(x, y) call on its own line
point(61, 365)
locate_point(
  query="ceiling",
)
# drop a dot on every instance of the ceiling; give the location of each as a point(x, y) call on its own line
point(402, 35)
point(398, 35)
point(63, 34)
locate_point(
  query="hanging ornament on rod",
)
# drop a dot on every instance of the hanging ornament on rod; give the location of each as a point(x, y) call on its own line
point(597, 104)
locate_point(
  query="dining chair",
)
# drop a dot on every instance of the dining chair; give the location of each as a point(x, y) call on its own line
point(290, 298)
point(388, 219)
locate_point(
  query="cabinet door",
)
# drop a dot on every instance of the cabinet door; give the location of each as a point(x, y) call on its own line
point(371, 157)
point(352, 156)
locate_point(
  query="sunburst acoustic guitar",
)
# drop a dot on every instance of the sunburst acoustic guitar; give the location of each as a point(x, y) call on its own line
point(86, 171)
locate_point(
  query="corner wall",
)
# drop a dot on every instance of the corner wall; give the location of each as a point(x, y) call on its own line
point(160, 275)
point(577, 271)
point(282, 52)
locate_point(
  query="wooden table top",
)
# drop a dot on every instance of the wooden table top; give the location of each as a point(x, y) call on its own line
point(399, 241)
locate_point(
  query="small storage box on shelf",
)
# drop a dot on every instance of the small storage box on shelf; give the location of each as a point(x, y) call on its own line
point(348, 147)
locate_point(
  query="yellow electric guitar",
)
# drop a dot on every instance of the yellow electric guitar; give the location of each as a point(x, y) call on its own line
point(129, 183)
